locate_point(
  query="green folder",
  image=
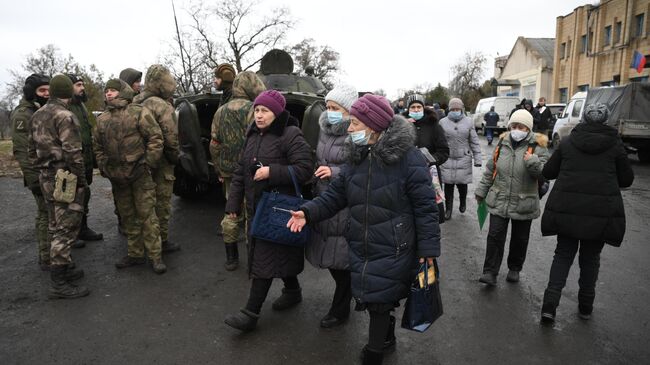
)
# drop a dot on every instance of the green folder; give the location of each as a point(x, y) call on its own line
point(482, 213)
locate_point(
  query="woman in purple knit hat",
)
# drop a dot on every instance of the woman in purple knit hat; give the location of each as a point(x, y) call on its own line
point(393, 223)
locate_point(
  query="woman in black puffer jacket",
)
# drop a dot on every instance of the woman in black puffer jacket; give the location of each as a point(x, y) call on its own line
point(387, 187)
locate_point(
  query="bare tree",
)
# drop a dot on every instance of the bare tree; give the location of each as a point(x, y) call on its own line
point(467, 73)
point(321, 61)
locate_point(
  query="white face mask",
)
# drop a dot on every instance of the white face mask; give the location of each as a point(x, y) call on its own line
point(518, 135)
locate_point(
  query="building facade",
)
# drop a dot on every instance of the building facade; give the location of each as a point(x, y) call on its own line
point(596, 45)
point(528, 70)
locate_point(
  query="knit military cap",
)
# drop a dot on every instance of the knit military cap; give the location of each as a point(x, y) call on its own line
point(456, 103)
point(596, 113)
point(225, 72)
point(374, 111)
point(521, 116)
point(343, 95)
point(114, 84)
point(414, 98)
point(61, 87)
point(130, 75)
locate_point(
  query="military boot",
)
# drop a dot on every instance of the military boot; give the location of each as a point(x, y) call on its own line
point(245, 320)
point(71, 273)
point(87, 234)
point(371, 357)
point(168, 247)
point(288, 299)
point(158, 266)
point(128, 261)
point(232, 256)
point(60, 288)
point(44, 264)
point(79, 244)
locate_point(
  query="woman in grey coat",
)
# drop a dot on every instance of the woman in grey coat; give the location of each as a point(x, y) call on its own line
point(463, 148)
point(328, 248)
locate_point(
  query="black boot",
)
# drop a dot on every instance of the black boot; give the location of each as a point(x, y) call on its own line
point(463, 205)
point(71, 273)
point(585, 304)
point(87, 234)
point(245, 320)
point(60, 288)
point(549, 304)
point(389, 344)
point(371, 357)
point(168, 246)
point(449, 201)
point(288, 299)
point(232, 256)
point(489, 279)
point(449, 206)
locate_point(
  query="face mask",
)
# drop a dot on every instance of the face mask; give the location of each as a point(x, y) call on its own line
point(40, 100)
point(455, 115)
point(518, 135)
point(334, 117)
point(416, 115)
point(359, 138)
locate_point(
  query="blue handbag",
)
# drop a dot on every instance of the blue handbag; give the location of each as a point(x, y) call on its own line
point(272, 215)
point(424, 304)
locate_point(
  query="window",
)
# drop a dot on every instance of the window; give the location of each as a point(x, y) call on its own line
point(591, 41)
point(563, 94)
point(608, 83)
point(577, 108)
point(640, 22)
point(640, 79)
point(608, 36)
point(583, 44)
point(562, 50)
point(617, 32)
point(583, 87)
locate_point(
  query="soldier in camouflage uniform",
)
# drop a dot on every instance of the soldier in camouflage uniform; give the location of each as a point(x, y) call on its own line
point(128, 145)
point(86, 123)
point(55, 144)
point(159, 86)
point(133, 78)
point(224, 75)
point(35, 95)
point(228, 135)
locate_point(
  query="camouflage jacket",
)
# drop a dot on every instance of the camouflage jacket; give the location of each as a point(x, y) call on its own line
point(54, 141)
point(159, 86)
point(127, 141)
point(21, 123)
point(86, 123)
point(230, 122)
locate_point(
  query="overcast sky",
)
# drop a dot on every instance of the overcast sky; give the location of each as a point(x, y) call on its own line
point(383, 44)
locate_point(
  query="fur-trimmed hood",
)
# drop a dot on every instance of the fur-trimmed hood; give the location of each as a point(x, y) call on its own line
point(338, 129)
point(539, 138)
point(393, 143)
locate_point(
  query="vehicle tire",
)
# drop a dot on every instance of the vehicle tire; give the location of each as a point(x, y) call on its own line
point(188, 188)
point(644, 155)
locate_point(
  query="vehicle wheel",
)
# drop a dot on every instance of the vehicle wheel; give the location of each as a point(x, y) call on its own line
point(644, 155)
point(188, 188)
point(555, 142)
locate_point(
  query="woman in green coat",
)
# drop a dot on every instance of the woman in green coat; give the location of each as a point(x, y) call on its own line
point(510, 189)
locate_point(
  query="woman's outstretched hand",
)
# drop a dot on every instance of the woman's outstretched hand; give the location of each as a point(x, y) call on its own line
point(297, 221)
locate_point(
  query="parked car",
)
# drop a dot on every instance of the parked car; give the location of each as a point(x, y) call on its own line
point(502, 105)
point(195, 173)
point(570, 118)
point(556, 112)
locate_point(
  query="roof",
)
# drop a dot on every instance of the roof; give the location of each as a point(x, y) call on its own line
point(543, 47)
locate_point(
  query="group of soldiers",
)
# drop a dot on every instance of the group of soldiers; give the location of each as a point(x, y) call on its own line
point(133, 143)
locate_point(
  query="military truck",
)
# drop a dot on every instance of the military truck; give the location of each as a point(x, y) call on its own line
point(195, 173)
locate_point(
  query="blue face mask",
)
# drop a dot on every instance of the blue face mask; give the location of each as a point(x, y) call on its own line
point(359, 138)
point(334, 117)
point(416, 115)
point(455, 115)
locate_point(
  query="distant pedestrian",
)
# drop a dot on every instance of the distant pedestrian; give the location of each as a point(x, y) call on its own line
point(491, 119)
point(528, 106)
point(510, 189)
point(439, 112)
point(133, 78)
point(545, 117)
point(464, 148)
point(400, 107)
point(585, 208)
point(224, 76)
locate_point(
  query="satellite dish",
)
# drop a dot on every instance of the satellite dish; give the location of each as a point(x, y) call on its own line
point(276, 61)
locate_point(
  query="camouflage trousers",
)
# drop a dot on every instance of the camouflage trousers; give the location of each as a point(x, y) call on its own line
point(64, 221)
point(41, 228)
point(232, 228)
point(164, 178)
point(136, 205)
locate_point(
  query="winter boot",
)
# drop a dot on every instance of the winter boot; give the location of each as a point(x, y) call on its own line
point(44, 264)
point(71, 274)
point(245, 320)
point(549, 304)
point(389, 344)
point(232, 256)
point(449, 207)
point(79, 244)
point(168, 247)
point(60, 288)
point(463, 204)
point(87, 234)
point(128, 261)
point(158, 266)
point(288, 299)
point(513, 276)
point(489, 279)
point(371, 357)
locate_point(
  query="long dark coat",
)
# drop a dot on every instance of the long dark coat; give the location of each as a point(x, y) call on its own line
point(279, 146)
point(585, 203)
point(387, 188)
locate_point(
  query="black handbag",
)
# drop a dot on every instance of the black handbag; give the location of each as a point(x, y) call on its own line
point(272, 214)
point(424, 304)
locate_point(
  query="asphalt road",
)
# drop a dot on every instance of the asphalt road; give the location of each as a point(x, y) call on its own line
point(135, 316)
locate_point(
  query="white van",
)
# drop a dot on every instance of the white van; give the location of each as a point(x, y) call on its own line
point(570, 118)
point(503, 105)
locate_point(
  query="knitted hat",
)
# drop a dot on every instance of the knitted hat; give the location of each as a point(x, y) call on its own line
point(522, 116)
point(456, 103)
point(130, 75)
point(343, 95)
point(33, 82)
point(225, 72)
point(75, 78)
point(414, 98)
point(374, 111)
point(272, 100)
point(596, 113)
point(61, 87)
point(113, 84)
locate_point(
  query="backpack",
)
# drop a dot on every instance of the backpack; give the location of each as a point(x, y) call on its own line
point(542, 183)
